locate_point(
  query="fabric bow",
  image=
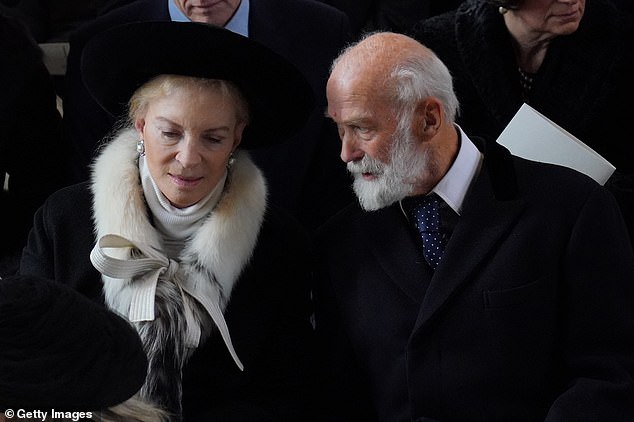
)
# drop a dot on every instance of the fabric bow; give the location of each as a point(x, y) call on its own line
point(144, 271)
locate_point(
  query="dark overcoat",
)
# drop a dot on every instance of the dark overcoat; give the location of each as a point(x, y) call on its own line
point(528, 317)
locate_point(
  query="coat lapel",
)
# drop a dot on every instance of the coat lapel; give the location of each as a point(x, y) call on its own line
point(490, 209)
point(394, 249)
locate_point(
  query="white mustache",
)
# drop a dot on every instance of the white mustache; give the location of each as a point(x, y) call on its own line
point(366, 165)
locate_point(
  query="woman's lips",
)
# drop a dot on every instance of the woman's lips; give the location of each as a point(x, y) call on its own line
point(185, 181)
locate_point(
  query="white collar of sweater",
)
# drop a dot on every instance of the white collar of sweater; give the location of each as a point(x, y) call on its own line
point(176, 225)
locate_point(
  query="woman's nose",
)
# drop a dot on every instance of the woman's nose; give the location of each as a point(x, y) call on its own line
point(188, 154)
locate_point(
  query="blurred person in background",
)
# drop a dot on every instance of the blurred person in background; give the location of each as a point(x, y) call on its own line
point(33, 155)
point(571, 60)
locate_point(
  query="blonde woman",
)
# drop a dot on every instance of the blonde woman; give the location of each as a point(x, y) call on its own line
point(174, 228)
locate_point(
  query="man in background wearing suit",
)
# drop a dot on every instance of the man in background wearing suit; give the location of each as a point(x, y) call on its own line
point(469, 285)
point(304, 175)
point(390, 15)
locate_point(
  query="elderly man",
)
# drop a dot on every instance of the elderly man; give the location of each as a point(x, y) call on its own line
point(469, 285)
point(304, 174)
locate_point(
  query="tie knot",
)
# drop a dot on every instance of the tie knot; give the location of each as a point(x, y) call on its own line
point(425, 212)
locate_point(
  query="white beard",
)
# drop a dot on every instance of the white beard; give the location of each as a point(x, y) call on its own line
point(380, 192)
point(395, 180)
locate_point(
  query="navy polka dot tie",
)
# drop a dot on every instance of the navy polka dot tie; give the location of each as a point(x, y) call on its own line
point(426, 216)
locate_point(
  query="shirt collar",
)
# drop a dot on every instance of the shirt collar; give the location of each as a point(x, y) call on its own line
point(175, 13)
point(454, 185)
point(239, 23)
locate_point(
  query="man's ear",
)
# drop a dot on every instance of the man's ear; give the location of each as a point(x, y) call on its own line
point(427, 118)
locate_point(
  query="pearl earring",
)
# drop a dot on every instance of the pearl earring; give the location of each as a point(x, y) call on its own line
point(502, 10)
point(140, 147)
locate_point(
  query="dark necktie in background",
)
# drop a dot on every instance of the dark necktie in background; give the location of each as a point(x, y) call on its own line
point(425, 214)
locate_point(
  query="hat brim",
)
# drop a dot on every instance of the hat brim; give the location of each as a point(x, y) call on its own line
point(118, 61)
point(60, 350)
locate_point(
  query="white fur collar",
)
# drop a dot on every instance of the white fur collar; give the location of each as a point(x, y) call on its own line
point(224, 243)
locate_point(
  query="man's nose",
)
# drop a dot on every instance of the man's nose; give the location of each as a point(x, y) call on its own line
point(349, 149)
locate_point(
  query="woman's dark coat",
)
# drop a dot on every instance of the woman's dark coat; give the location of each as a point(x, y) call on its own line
point(585, 83)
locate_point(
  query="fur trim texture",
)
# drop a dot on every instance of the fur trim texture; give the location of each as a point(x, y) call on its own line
point(210, 264)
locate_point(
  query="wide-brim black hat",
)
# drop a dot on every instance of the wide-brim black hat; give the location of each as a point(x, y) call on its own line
point(59, 350)
point(119, 60)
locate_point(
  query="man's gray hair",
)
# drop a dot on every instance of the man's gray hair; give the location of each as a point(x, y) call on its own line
point(419, 77)
point(414, 78)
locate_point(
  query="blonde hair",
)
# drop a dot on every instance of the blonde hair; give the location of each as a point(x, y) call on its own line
point(163, 85)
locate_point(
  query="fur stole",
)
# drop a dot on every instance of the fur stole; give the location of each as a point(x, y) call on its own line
point(210, 264)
